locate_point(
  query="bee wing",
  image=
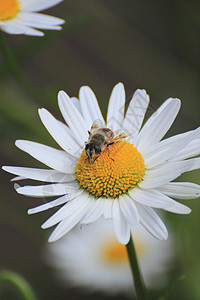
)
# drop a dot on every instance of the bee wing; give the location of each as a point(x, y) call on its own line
point(120, 134)
point(97, 124)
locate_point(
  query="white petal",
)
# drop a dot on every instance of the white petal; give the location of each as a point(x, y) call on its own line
point(53, 158)
point(157, 199)
point(17, 178)
point(69, 208)
point(39, 174)
point(129, 210)
point(67, 224)
point(181, 190)
point(169, 142)
point(190, 150)
point(37, 5)
point(89, 106)
point(54, 203)
point(158, 124)
point(135, 113)
point(48, 190)
point(171, 152)
point(9, 27)
point(115, 114)
point(79, 149)
point(152, 222)
point(195, 164)
point(163, 174)
point(39, 20)
point(96, 211)
point(13, 27)
point(121, 227)
point(58, 132)
point(73, 117)
point(108, 208)
point(76, 103)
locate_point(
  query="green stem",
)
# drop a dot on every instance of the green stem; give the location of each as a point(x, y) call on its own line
point(12, 64)
point(20, 283)
point(137, 276)
point(15, 70)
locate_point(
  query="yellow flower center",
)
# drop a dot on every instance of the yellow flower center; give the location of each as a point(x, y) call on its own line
point(8, 9)
point(118, 168)
point(116, 253)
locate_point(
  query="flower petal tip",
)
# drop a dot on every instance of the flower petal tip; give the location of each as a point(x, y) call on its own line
point(45, 225)
point(120, 85)
point(62, 95)
point(84, 89)
point(177, 100)
point(52, 239)
point(18, 144)
point(42, 111)
point(16, 187)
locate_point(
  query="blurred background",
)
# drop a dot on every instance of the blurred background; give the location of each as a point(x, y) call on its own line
point(153, 45)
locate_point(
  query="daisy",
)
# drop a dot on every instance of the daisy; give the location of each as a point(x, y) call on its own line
point(92, 258)
point(130, 177)
point(21, 17)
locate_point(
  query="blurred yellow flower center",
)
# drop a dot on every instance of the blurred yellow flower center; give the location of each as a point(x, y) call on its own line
point(114, 252)
point(118, 168)
point(8, 9)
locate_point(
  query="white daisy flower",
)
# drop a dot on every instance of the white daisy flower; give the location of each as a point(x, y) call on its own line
point(127, 180)
point(92, 258)
point(21, 17)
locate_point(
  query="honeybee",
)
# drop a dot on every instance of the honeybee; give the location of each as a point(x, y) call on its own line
point(101, 137)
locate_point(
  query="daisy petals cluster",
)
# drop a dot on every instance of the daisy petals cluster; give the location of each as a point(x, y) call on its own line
point(164, 161)
point(22, 17)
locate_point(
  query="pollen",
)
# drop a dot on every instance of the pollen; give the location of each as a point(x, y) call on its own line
point(119, 168)
point(8, 9)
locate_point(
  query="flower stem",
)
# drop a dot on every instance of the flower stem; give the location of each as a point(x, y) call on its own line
point(19, 282)
point(15, 70)
point(10, 58)
point(137, 275)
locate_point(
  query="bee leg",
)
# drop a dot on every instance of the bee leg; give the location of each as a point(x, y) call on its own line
point(109, 152)
point(88, 159)
point(95, 158)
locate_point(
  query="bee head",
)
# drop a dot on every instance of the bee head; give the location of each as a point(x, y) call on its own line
point(92, 150)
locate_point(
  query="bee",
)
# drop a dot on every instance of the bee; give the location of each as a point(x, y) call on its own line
point(99, 138)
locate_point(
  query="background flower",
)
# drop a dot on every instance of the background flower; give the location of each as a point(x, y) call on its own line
point(21, 17)
point(90, 257)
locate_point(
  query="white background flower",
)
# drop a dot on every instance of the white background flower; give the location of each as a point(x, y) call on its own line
point(164, 161)
point(82, 259)
point(22, 17)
